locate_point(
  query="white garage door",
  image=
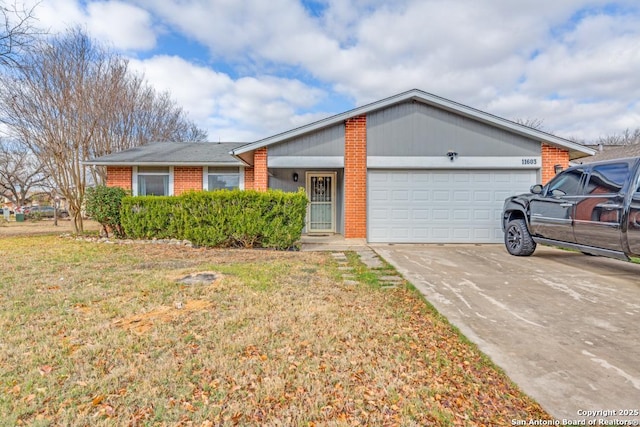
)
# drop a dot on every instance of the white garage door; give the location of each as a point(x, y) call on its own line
point(441, 206)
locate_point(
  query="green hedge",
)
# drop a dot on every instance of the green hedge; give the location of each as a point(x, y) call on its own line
point(249, 219)
point(103, 204)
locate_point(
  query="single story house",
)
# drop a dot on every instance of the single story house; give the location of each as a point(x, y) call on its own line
point(411, 168)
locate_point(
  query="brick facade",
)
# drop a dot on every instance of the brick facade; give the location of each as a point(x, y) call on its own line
point(552, 156)
point(355, 174)
point(120, 176)
point(186, 178)
point(260, 172)
point(249, 178)
point(355, 177)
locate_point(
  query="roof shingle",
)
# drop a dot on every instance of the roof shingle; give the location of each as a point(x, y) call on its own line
point(613, 152)
point(173, 153)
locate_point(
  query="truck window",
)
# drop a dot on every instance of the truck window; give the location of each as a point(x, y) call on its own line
point(607, 179)
point(568, 182)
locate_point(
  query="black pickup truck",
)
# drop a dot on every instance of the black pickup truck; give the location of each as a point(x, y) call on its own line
point(594, 208)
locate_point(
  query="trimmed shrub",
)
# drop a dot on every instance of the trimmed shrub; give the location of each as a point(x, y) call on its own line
point(148, 217)
point(223, 218)
point(103, 205)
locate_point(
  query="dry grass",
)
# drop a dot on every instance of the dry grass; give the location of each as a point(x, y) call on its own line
point(41, 227)
point(101, 334)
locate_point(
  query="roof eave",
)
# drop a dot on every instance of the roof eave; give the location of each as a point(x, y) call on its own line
point(427, 98)
point(329, 121)
point(163, 163)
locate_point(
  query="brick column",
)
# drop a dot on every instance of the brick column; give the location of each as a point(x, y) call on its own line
point(355, 177)
point(120, 176)
point(186, 178)
point(260, 172)
point(249, 178)
point(552, 156)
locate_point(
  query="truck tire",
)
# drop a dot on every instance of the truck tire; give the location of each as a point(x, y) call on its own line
point(517, 239)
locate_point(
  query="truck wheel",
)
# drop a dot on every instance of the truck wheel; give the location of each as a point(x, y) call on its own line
point(517, 238)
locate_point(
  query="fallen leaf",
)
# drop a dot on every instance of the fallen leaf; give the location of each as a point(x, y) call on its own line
point(45, 370)
point(97, 400)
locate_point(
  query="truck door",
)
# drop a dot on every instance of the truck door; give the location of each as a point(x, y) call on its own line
point(599, 212)
point(552, 212)
point(633, 226)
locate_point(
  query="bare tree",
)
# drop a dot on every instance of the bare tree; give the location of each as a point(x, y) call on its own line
point(20, 172)
point(531, 122)
point(72, 100)
point(17, 32)
point(627, 137)
point(135, 114)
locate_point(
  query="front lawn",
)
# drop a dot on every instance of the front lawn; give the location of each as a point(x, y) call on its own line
point(102, 334)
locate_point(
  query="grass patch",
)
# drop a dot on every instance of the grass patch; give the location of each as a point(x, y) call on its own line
point(366, 275)
point(101, 334)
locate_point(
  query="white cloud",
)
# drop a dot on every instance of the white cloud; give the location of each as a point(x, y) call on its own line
point(57, 15)
point(573, 63)
point(600, 58)
point(127, 27)
point(232, 110)
point(118, 24)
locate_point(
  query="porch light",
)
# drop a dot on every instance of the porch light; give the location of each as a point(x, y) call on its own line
point(557, 169)
point(295, 177)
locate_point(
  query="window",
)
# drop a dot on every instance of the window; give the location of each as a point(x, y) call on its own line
point(223, 178)
point(566, 183)
point(153, 180)
point(608, 179)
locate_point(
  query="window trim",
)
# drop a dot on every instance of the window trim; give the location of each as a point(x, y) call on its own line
point(205, 176)
point(136, 174)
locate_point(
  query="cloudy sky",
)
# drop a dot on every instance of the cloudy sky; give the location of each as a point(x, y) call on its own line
point(247, 69)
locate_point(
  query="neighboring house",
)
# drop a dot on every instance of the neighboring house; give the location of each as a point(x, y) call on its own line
point(610, 152)
point(410, 168)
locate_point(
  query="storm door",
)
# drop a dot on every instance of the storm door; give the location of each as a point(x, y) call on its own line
point(321, 190)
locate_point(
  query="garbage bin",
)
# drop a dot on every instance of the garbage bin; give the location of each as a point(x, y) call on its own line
point(19, 217)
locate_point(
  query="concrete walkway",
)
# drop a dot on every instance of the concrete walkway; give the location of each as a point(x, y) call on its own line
point(331, 243)
point(338, 245)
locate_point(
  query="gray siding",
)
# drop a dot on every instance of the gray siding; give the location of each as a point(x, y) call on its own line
point(416, 129)
point(282, 179)
point(325, 142)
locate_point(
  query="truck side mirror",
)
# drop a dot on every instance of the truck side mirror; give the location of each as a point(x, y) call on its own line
point(557, 193)
point(536, 189)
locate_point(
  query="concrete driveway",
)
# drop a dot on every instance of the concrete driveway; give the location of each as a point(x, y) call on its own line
point(564, 326)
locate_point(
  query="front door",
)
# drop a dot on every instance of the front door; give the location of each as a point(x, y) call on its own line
point(321, 190)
